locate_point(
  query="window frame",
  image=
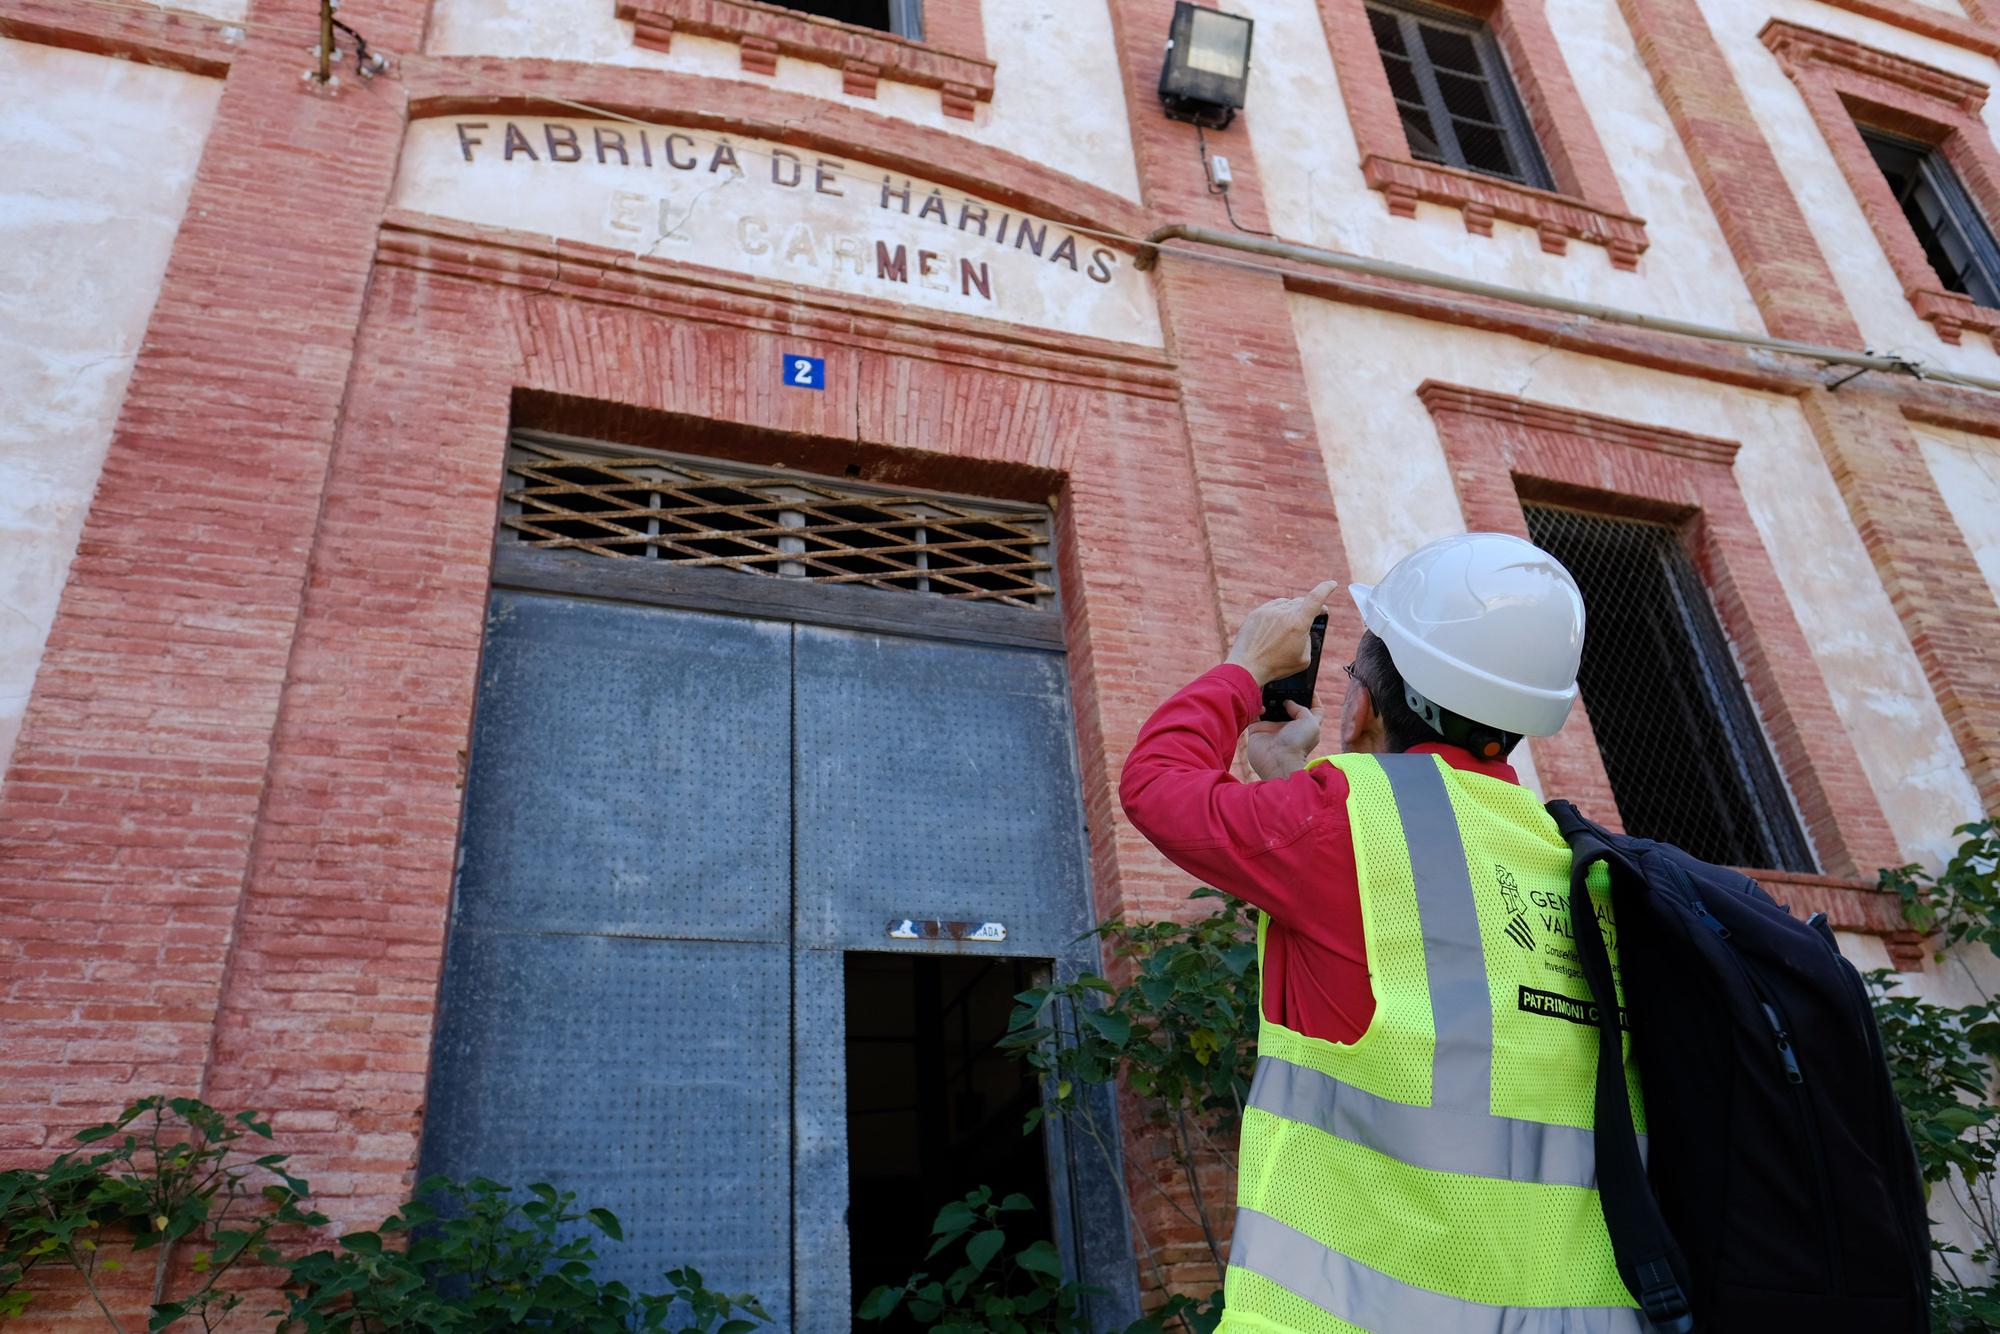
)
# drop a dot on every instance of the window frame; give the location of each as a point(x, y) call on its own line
point(1934, 171)
point(1845, 86)
point(1517, 134)
point(1585, 202)
point(1765, 808)
point(906, 17)
point(1558, 455)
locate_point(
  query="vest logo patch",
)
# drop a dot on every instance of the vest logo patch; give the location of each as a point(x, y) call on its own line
point(1533, 1001)
point(1510, 903)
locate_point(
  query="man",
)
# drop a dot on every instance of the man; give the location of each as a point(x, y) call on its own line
point(1417, 1153)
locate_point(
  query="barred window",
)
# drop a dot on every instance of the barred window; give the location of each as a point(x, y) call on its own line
point(1682, 745)
point(1458, 103)
point(905, 18)
point(1955, 238)
point(638, 505)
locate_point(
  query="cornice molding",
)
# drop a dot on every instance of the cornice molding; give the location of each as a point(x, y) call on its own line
point(1441, 398)
point(1912, 16)
point(171, 38)
point(1794, 46)
point(763, 32)
point(1558, 218)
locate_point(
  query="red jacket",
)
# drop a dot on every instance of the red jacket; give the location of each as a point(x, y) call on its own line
point(1283, 846)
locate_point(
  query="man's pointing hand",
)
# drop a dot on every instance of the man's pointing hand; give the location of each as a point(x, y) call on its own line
point(1276, 638)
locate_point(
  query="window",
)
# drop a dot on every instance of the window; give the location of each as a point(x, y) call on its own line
point(775, 522)
point(1682, 746)
point(905, 18)
point(1458, 104)
point(1948, 227)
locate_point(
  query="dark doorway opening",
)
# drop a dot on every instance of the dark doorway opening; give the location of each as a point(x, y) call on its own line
point(933, 1109)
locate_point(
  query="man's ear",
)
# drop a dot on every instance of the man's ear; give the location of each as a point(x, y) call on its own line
point(1361, 730)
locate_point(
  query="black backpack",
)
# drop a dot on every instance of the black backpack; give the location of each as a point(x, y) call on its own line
point(1780, 1190)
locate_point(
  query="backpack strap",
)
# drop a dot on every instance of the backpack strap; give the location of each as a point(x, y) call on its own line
point(1649, 1261)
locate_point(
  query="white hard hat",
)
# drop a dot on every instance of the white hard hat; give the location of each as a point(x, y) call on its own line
point(1485, 625)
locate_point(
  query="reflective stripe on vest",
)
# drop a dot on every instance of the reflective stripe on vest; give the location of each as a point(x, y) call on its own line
point(1456, 1134)
point(1374, 1301)
point(1438, 1139)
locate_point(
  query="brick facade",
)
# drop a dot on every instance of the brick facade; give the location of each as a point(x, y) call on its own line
point(1937, 590)
point(228, 832)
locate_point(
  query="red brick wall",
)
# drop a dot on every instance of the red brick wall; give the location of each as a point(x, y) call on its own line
point(136, 786)
point(1266, 516)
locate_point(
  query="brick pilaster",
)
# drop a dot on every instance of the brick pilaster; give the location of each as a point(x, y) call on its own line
point(1268, 524)
point(127, 824)
point(1925, 564)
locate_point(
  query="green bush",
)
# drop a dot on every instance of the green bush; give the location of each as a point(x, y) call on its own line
point(174, 1166)
point(458, 1259)
point(1181, 1034)
point(1941, 1059)
point(997, 1287)
point(474, 1259)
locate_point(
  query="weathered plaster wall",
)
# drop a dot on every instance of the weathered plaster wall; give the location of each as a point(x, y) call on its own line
point(1311, 172)
point(1867, 282)
point(1394, 492)
point(1048, 54)
point(100, 155)
point(1966, 469)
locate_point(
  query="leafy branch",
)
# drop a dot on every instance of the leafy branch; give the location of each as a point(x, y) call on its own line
point(175, 1168)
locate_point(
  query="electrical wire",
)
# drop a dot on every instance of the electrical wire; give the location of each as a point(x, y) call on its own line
point(1201, 139)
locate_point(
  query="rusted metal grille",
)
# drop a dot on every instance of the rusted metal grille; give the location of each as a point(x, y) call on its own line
point(634, 506)
point(1681, 741)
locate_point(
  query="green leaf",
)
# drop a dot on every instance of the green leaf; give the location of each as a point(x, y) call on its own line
point(607, 1223)
point(954, 1217)
point(881, 1304)
point(983, 1247)
point(362, 1243)
point(1114, 1028)
point(1040, 1258)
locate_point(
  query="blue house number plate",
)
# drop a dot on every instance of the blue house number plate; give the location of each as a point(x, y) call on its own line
point(805, 372)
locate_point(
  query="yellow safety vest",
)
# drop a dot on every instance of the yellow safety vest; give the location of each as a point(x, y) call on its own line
point(1438, 1175)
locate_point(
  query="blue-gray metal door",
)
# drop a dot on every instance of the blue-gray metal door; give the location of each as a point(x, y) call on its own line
point(676, 825)
point(615, 1016)
point(935, 781)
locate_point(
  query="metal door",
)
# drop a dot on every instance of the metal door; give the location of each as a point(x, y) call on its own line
point(934, 781)
point(676, 825)
point(615, 1016)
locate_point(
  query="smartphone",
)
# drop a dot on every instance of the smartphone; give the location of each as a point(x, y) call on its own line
point(1299, 685)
